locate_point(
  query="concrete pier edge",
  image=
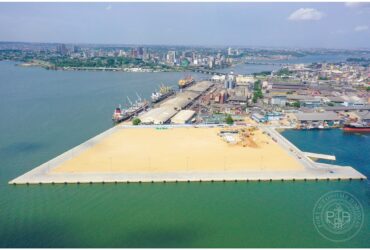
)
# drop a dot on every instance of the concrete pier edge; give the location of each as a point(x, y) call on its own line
point(313, 171)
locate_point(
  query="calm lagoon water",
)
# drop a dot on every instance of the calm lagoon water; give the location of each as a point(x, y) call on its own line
point(44, 113)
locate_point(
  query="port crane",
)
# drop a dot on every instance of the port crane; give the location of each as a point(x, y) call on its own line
point(138, 97)
point(128, 98)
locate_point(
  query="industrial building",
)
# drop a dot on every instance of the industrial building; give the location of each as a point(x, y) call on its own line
point(327, 116)
point(200, 86)
point(278, 100)
point(363, 116)
point(183, 117)
point(169, 108)
point(157, 115)
point(181, 100)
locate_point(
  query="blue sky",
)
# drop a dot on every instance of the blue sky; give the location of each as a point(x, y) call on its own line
point(324, 25)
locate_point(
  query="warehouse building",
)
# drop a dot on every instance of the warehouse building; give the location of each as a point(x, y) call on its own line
point(181, 100)
point(363, 116)
point(201, 86)
point(158, 115)
point(183, 117)
point(314, 117)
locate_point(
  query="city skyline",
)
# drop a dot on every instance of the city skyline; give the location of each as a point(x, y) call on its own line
point(275, 25)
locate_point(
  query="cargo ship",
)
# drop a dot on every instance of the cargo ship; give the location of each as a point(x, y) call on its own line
point(356, 127)
point(120, 115)
point(164, 92)
point(187, 81)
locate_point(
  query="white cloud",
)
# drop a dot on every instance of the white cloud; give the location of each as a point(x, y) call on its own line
point(306, 14)
point(352, 4)
point(109, 7)
point(361, 28)
point(338, 32)
point(357, 5)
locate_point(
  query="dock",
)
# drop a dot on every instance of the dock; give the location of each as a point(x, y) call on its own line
point(320, 156)
point(301, 166)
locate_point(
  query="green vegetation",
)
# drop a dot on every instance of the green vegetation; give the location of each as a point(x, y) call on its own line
point(330, 104)
point(296, 104)
point(362, 61)
point(284, 72)
point(263, 73)
point(136, 121)
point(229, 120)
point(368, 88)
point(257, 93)
point(107, 62)
point(323, 78)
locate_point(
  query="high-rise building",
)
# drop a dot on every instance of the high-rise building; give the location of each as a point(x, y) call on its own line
point(62, 49)
point(171, 57)
point(134, 53)
point(121, 53)
point(210, 62)
point(229, 81)
point(140, 52)
point(229, 51)
point(76, 49)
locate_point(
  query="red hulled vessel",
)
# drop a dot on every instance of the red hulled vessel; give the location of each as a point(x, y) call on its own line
point(356, 127)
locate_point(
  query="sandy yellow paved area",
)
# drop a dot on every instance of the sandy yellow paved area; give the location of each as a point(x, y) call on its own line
point(177, 150)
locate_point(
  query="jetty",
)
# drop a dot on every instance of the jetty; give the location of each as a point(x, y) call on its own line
point(320, 156)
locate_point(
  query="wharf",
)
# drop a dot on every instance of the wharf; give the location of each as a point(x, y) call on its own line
point(112, 157)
